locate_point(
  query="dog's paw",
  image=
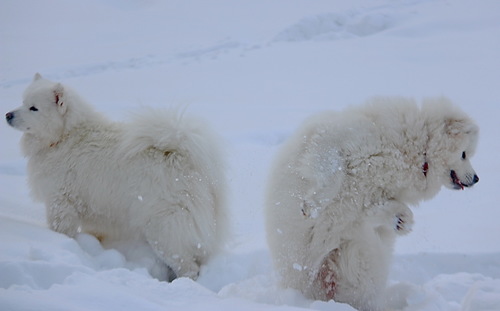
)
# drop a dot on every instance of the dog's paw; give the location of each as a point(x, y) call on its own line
point(64, 221)
point(403, 223)
point(392, 215)
point(69, 228)
point(185, 268)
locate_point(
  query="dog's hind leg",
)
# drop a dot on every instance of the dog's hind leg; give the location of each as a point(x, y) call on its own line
point(356, 272)
point(175, 241)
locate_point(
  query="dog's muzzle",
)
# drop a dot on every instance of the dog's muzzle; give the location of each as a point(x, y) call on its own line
point(459, 184)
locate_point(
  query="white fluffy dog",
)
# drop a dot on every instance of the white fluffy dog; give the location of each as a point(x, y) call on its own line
point(159, 178)
point(340, 187)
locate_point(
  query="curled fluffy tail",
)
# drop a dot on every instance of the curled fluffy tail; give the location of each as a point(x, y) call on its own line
point(169, 130)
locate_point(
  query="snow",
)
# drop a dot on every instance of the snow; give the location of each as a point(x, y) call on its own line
point(255, 70)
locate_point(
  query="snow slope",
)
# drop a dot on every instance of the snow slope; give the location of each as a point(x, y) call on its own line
point(255, 70)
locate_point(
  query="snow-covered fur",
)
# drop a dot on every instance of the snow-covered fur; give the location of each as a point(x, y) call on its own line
point(340, 186)
point(159, 178)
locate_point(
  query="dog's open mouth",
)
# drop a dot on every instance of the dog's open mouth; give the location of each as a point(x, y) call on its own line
point(457, 184)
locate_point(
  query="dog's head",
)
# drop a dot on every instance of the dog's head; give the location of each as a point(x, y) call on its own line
point(452, 142)
point(465, 134)
point(42, 112)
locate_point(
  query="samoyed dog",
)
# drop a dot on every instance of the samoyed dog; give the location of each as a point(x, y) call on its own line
point(159, 179)
point(340, 188)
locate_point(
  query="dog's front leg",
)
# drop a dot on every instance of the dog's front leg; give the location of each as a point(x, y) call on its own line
point(62, 216)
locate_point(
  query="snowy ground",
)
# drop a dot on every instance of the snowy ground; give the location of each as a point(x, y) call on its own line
point(254, 69)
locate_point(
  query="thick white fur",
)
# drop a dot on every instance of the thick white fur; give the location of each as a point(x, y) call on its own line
point(339, 189)
point(158, 178)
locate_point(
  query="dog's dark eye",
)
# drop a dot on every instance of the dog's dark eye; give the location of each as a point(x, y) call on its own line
point(33, 108)
point(464, 155)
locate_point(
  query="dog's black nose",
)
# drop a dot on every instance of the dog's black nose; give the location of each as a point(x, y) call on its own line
point(9, 116)
point(475, 180)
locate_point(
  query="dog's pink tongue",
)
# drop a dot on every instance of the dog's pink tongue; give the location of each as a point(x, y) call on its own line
point(456, 180)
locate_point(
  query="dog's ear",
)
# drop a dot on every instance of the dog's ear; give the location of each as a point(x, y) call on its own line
point(37, 76)
point(59, 98)
point(457, 127)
